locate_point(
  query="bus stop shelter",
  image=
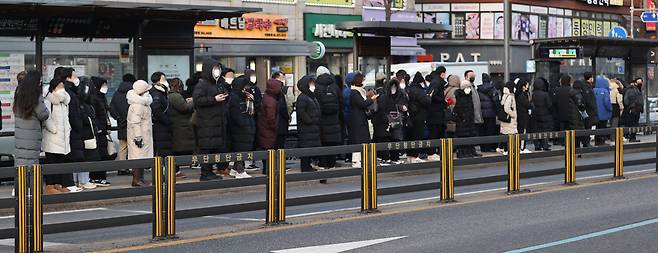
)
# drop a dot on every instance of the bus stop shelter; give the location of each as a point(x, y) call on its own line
point(636, 54)
point(373, 38)
point(154, 28)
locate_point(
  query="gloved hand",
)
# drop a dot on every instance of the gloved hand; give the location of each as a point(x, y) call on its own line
point(139, 142)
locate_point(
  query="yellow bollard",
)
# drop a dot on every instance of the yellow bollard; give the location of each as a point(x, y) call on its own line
point(447, 171)
point(619, 153)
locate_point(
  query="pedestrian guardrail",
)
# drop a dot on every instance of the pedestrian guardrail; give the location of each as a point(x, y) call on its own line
point(29, 199)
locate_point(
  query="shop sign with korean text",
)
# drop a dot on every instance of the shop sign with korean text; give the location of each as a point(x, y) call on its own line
point(322, 28)
point(249, 26)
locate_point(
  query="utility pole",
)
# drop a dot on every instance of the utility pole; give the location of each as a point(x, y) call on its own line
point(632, 19)
point(508, 36)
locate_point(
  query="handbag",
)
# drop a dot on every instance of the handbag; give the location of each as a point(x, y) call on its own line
point(584, 115)
point(91, 143)
point(111, 146)
point(502, 114)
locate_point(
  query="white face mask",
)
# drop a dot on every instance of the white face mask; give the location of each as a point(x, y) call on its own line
point(228, 80)
point(165, 83)
point(403, 85)
point(216, 72)
point(252, 79)
point(312, 88)
point(394, 90)
point(103, 89)
point(467, 91)
point(76, 81)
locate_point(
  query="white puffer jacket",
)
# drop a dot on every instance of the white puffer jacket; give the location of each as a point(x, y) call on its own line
point(57, 130)
point(509, 105)
point(139, 123)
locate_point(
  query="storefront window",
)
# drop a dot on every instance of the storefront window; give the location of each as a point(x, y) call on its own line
point(17, 55)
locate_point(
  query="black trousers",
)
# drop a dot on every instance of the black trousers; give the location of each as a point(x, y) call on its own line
point(416, 133)
point(488, 128)
point(632, 120)
point(600, 139)
point(206, 169)
point(306, 164)
point(65, 180)
point(435, 131)
point(328, 161)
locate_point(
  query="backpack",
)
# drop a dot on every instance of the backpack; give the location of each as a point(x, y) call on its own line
point(501, 114)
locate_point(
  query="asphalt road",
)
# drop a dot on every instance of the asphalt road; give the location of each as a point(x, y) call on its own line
point(610, 217)
point(137, 234)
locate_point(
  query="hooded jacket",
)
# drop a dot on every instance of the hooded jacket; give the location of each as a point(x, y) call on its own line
point(590, 102)
point(437, 108)
point(542, 113)
point(161, 123)
point(211, 115)
point(419, 101)
point(269, 115)
point(602, 95)
point(308, 115)
point(358, 128)
point(139, 122)
point(388, 103)
point(508, 101)
point(242, 127)
point(328, 96)
point(568, 109)
point(76, 119)
point(347, 92)
point(488, 100)
point(453, 85)
point(57, 129)
point(99, 103)
point(119, 108)
point(179, 113)
point(633, 101)
point(464, 112)
point(616, 99)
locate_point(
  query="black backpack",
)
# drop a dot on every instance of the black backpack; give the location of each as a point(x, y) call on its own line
point(502, 115)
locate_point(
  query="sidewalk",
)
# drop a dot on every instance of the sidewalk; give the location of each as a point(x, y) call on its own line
point(124, 181)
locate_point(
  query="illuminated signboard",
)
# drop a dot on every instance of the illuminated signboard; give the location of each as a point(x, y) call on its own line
point(604, 2)
point(563, 53)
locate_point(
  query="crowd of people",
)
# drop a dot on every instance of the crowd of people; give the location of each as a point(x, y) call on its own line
point(216, 111)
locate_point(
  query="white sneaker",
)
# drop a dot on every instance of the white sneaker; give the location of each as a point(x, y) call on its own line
point(526, 151)
point(384, 163)
point(233, 173)
point(434, 157)
point(242, 175)
point(356, 165)
point(397, 162)
point(74, 189)
point(417, 160)
point(88, 186)
point(500, 150)
point(504, 152)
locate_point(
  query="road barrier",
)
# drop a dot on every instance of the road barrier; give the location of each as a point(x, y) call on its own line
point(28, 201)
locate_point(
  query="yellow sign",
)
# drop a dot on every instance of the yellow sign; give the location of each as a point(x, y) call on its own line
point(249, 26)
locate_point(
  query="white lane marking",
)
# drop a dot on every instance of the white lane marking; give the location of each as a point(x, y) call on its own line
point(586, 236)
point(323, 212)
point(338, 247)
point(130, 211)
point(10, 243)
point(63, 212)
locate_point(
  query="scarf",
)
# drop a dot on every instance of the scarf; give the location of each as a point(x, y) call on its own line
point(361, 91)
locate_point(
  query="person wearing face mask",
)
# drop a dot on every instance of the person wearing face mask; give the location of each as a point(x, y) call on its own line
point(358, 127)
point(308, 119)
point(162, 133)
point(436, 110)
point(392, 111)
point(327, 94)
point(98, 101)
point(477, 109)
point(270, 115)
point(523, 109)
point(119, 111)
point(210, 102)
point(258, 100)
point(76, 118)
point(508, 102)
point(242, 115)
point(57, 135)
point(89, 131)
point(228, 75)
point(180, 111)
point(464, 117)
point(419, 102)
point(140, 127)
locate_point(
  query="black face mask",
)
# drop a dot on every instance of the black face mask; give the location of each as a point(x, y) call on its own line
point(472, 79)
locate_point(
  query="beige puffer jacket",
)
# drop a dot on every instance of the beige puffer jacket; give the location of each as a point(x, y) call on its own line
point(509, 104)
point(139, 121)
point(57, 130)
point(616, 97)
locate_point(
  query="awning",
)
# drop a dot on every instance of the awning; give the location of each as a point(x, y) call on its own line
point(226, 47)
point(391, 28)
point(98, 19)
point(407, 51)
point(635, 49)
